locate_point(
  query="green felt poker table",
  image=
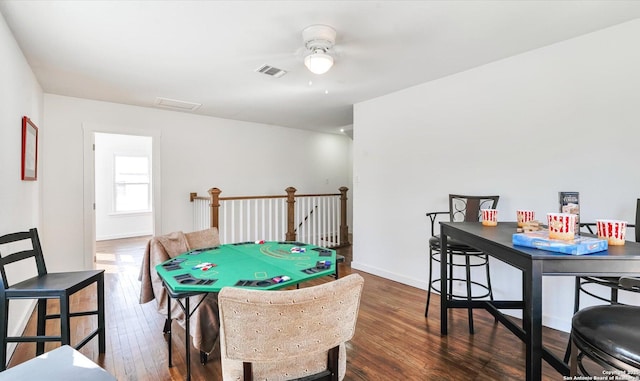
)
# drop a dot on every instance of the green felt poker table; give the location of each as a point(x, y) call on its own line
point(258, 265)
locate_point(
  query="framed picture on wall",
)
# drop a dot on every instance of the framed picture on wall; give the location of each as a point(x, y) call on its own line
point(29, 150)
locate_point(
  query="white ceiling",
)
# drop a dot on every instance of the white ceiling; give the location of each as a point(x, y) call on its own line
point(207, 52)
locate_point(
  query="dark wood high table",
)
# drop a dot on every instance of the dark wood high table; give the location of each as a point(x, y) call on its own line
point(534, 263)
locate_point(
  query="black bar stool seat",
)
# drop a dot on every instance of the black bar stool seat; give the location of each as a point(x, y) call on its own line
point(609, 336)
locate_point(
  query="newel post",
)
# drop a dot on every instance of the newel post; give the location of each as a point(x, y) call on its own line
point(215, 207)
point(344, 228)
point(291, 200)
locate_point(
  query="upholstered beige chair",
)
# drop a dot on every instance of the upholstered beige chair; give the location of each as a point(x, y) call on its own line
point(204, 322)
point(284, 335)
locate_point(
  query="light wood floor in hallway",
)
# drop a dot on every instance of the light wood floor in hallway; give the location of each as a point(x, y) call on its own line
point(393, 340)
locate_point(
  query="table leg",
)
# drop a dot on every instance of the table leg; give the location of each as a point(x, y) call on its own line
point(532, 320)
point(167, 328)
point(443, 284)
point(187, 336)
point(186, 308)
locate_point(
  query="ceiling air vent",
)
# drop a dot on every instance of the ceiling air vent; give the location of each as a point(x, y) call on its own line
point(176, 104)
point(271, 71)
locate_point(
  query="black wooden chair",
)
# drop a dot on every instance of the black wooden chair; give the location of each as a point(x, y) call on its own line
point(42, 287)
point(461, 208)
point(609, 336)
point(588, 285)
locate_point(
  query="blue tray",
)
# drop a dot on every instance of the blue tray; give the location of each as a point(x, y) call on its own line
point(578, 246)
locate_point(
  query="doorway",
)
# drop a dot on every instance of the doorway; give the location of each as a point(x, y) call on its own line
point(120, 199)
point(123, 186)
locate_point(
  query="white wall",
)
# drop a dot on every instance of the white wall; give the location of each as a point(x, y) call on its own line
point(563, 117)
point(195, 153)
point(20, 94)
point(110, 224)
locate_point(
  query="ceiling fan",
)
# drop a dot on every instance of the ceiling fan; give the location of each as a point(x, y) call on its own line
point(318, 41)
point(318, 53)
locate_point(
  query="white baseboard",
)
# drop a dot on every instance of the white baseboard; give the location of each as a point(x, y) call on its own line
point(547, 321)
point(418, 283)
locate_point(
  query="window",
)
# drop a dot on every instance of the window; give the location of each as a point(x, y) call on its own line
point(132, 184)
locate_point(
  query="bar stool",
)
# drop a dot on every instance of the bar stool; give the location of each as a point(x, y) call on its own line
point(461, 208)
point(586, 284)
point(45, 286)
point(609, 336)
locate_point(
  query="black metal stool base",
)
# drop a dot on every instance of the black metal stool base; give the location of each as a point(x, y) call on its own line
point(482, 260)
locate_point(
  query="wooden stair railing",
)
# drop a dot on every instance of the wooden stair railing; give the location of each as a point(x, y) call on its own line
point(289, 199)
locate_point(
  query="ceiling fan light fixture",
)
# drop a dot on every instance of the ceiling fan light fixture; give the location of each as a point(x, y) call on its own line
point(318, 39)
point(318, 62)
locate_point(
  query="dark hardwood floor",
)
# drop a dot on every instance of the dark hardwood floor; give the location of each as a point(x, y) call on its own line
point(393, 340)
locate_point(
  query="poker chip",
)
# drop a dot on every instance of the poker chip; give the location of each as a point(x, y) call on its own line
point(204, 266)
point(323, 264)
point(281, 279)
point(298, 249)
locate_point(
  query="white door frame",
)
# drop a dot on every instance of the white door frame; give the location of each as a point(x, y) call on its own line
point(89, 216)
